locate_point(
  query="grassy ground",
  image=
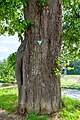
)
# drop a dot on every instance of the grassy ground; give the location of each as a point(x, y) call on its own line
point(70, 81)
point(70, 108)
point(34, 116)
point(8, 100)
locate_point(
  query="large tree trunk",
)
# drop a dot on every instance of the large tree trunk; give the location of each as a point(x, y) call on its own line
point(39, 90)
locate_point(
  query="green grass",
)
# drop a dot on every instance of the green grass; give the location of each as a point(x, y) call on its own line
point(8, 100)
point(70, 81)
point(69, 85)
point(73, 86)
point(34, 116)
point(70, 109)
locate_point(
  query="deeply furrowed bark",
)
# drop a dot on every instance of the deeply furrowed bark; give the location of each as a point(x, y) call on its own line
point(39, 90)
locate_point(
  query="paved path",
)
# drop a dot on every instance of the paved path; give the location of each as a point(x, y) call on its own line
point(72, 93)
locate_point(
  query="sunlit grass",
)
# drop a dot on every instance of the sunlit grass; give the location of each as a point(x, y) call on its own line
point(70, 81)
point(70, 109)
point(8, 100)
point(69, 85)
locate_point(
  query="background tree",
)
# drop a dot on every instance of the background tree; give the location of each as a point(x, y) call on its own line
point(12, 60)
point(7, 73)
point(76, 65)
point(71, 30)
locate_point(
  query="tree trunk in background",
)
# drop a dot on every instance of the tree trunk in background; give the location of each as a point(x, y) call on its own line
point(39, 89)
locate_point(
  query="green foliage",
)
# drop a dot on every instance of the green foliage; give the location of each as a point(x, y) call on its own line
point(31, 116)
point(22, 25)
point(70, 68)
point(12, 20)
point(42, 3)
point(57, 72)
point(34, 116)
point(70, 109)
point(10, 13)
point(8, 100)
point(71, 29)
point(12, 59)
point(58, 61)
point(7, 69)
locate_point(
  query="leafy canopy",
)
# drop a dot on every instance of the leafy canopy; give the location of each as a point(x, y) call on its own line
point(12, 20)
point(7, 73)
point(71, 29)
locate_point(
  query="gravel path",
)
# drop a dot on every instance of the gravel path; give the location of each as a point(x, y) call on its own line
point(71, 93)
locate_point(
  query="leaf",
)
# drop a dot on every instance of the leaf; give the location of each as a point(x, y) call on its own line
point(7, 0)
point(70, 68)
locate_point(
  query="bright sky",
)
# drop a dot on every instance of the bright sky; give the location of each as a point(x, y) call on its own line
point(8, 45)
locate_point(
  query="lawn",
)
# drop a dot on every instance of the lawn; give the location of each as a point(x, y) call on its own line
point(70, 81)
point(70, 108)
point(8, 100)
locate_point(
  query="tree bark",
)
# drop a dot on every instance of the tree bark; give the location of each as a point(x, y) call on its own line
point(39, 90)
